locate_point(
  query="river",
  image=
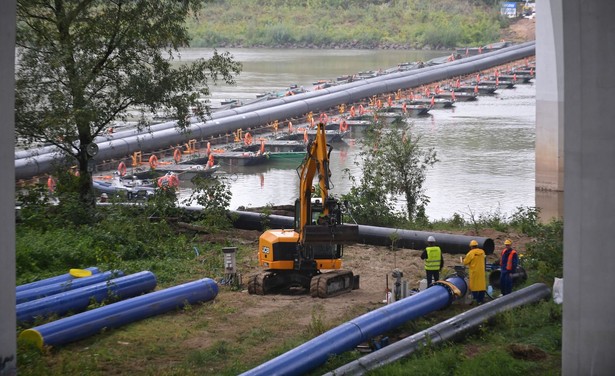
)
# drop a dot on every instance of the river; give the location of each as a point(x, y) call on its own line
point(485, 148)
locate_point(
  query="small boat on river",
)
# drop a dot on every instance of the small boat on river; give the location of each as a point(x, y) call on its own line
point(434, 104)
point(183, 171)
point(310, 134)
point(230, 158)
point(272, 146)
point(129, 188)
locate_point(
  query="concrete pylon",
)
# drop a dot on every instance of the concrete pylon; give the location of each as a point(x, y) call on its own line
point(549, 109)
point(8, 347)
point(589, 184)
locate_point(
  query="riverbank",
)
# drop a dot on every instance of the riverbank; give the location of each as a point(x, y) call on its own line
point(411, 24)
point(238, 331)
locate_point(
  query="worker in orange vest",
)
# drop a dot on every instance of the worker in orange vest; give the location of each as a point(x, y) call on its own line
point(509, 260)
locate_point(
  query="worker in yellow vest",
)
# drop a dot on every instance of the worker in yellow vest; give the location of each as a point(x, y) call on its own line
point(433, 260)
point(476, 261)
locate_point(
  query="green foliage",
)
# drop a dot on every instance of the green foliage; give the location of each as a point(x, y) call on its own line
point(214, 196)
point(85, 64)
point(369, 203)
point(394, 164)
point(357, 24)
point(495, 220)
point(545, 255)
point(317, 325)
point(526, 220)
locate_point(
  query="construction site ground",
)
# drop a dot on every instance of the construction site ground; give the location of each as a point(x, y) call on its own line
point(284, 316)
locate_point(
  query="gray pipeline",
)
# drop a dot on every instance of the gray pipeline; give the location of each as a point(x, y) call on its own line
point(38, 161)
point(373, 235)
point(448, 330)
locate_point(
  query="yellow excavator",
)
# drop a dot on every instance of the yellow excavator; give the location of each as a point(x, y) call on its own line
point(308, 257)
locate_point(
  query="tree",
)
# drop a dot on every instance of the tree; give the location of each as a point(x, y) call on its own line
point(394, 163)
point(84, 64)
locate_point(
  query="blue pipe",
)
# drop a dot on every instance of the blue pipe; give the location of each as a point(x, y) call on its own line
point(79, 299)
point(48, 281)
point(58, 287)
point(88, 323)
point(347, 336)
point(451, 329)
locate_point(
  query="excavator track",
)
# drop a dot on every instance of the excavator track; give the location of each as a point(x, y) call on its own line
point(326, 285)
point(258, 284)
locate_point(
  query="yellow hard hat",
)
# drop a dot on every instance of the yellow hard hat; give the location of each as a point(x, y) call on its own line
point(507, 242)
point(473, 243)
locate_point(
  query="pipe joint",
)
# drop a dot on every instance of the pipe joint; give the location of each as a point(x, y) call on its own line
point(453, 291)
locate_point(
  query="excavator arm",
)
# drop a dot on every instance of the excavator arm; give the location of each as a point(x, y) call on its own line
point(327, 226)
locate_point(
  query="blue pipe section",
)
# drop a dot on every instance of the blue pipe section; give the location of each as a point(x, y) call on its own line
point(71, 284)
point(88, 323)
point(59, 278)
point(451, 329)
point(347, 336)
point(39, 161)
point(79, 299)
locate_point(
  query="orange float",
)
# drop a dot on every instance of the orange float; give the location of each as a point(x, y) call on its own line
point(177, 155)
point(121, 169)
point(153, 161)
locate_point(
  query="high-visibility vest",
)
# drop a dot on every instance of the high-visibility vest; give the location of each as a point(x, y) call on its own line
point(434, 254)
point(507, 259)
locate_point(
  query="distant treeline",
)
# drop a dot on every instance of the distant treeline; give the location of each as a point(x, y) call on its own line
point(347, 23)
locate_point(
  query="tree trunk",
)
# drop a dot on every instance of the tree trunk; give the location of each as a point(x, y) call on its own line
point(86, 191)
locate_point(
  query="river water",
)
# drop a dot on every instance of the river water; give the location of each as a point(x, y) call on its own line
point(485, 148)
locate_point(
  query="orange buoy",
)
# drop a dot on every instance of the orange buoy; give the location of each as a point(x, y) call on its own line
point(121, 169)
point(177, 155)
point(153, 161)
point(247, 139)
point(51, 184)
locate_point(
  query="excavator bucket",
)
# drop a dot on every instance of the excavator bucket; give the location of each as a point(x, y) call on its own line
point(338, 234)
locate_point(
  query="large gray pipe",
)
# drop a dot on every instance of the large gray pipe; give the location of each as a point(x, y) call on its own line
point(40, 161)
point(286, 100)
point(371, 234)
point(448, 330)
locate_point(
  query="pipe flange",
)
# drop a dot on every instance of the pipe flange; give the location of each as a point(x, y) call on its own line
point(453, 291)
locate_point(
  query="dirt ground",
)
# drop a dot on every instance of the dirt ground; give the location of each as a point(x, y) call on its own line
point(296, 313)
point(521, 30)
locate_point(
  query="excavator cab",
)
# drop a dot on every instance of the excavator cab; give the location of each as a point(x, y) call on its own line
point(325, 228)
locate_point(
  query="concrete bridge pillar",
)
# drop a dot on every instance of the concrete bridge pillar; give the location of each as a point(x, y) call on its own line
point(587, 67)
point(8, 355)
point(549, 109)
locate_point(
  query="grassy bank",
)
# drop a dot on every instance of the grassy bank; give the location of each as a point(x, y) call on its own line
point(237, 331)
point(347, 24)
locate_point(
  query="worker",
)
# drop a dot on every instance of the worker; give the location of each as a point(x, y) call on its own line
point(434, 262)
point(509, 261)
point(475, 259)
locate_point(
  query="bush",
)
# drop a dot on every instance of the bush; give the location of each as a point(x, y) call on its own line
point(545, 255)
